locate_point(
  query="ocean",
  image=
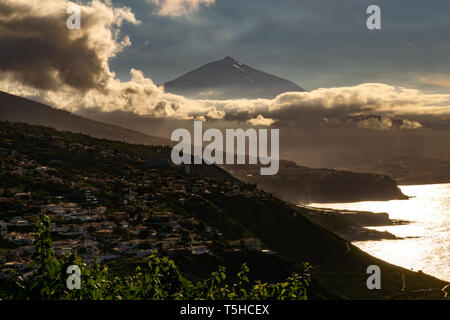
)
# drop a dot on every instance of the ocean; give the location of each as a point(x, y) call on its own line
point(426, 239)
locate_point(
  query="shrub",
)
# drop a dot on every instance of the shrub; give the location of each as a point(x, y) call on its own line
point(159, 280)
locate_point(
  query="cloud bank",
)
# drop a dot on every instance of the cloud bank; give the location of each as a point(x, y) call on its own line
point(42, 59)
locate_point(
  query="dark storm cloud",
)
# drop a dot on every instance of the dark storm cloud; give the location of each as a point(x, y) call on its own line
point(37, 48)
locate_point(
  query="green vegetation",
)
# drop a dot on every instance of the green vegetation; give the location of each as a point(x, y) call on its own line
point(160, 280)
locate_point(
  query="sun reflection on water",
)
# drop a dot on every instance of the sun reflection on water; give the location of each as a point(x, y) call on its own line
point(428, 245)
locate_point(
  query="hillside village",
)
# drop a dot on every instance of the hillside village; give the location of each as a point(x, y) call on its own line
point(128, 205)
point(119, 202)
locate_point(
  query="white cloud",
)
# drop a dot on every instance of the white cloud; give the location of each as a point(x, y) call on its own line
point(384, 123)
point(216, 114)
point(176, 8)
point(410, 125)
point(261, 121)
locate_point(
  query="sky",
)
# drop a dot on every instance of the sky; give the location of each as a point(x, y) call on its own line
point(389, 79)
point(321, 43)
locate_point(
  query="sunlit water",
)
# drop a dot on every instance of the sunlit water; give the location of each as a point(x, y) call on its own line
point(428, 245)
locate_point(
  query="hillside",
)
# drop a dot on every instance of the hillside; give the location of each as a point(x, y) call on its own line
point(306, 185)
point(106, 196)
point(229, 79)
point(298, 184)
point(17, 109)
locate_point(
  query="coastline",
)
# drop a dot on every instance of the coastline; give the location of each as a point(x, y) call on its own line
point(421, 224)
point(352, 225)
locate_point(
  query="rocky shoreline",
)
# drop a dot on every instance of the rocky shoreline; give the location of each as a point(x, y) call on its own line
point(352, 225)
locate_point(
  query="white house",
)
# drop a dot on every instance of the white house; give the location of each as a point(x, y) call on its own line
point(200, 250)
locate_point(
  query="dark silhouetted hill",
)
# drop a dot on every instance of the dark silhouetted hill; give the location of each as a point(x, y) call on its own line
point(17, 109)
point(300, 184)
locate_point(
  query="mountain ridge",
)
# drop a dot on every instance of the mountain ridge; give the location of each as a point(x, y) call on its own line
point(17, 109)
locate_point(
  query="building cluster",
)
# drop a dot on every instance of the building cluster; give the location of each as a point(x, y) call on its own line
point(106, 215)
